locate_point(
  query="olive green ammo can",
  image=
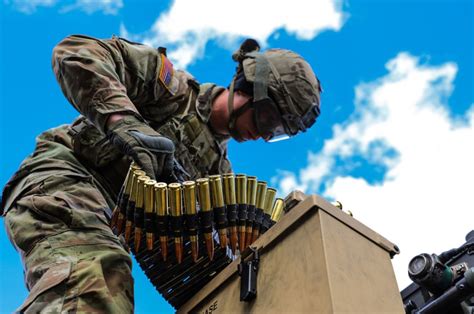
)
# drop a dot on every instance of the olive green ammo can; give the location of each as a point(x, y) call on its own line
point(316, 259)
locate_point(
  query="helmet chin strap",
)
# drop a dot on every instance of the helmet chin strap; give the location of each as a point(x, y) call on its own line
point(235, 114)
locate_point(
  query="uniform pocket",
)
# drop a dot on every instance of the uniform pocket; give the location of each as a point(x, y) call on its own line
point(47, 295)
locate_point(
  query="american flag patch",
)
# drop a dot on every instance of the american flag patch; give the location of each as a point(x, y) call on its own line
point(166, 72)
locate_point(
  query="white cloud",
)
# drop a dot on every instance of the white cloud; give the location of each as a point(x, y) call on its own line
point(30, 6)
point(189, 25)
point(91, 6)
point(423, 203)
point(88, 6)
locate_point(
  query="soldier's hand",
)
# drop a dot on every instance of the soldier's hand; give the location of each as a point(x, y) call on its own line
point(152, 151)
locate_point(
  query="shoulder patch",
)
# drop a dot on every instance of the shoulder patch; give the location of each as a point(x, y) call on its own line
point(166, 72)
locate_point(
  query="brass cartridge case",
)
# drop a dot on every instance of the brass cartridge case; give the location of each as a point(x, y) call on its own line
point(241, 191)
point(229, 188)
point(251, 202)
point(122, 200)
point(261, 194)
point(217, 201)
point(139, 215)
point(204, 197)
point(277, 210)
point(149, 213)
point(126, 196)
point(191, 217)
point(132, 203)
point(259, 209)
point(176, 210)
point(190, 197)
point(268, 207)
point(217, 194)
point(204, 194)
point(231, 206)
point(161, 207)
point(252, 190)
point(149, 196)
point(161, 198)
point(269, 199)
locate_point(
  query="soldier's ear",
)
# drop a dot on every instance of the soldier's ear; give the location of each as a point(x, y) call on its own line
point(247, 46)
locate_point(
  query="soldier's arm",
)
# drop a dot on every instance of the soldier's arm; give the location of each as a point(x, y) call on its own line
point(104, 78)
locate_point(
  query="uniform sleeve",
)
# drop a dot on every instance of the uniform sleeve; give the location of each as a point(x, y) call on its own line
point(101, 77)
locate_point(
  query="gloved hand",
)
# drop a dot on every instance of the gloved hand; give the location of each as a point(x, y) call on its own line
point(150, 150)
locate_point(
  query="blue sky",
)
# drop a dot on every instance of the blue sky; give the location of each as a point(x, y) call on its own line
point(395, 139)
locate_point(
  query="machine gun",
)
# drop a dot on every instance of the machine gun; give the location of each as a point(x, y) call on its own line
point(442, 283)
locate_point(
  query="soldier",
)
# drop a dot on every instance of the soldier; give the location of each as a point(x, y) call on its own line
point(134, 107)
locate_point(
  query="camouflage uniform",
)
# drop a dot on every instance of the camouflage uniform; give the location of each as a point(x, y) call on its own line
point(58, 204)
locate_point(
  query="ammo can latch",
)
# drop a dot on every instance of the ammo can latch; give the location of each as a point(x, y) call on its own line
point(248, 270)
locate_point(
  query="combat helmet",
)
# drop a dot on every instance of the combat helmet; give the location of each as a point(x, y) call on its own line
point(285, 91)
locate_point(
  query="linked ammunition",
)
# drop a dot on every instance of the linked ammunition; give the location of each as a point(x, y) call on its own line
point(241, 191)
point(132, 203)
point(175, 202)
point(191, 217)
point(269, 199)
point(259, 207)
point(161, 206)
point(206, 214)
point(149, 214)
point(277, 210)
point(251, 202)
point(139, 214)
point(121, 202)
point(231, 206)
point(121, 208)
point(220, 215)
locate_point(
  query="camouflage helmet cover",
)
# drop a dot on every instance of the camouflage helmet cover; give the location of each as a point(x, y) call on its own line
point(292, 85)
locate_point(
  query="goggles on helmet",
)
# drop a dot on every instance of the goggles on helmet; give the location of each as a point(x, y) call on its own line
point(267, 119)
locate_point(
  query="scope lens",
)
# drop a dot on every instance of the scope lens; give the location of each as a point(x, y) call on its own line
point(418, 265)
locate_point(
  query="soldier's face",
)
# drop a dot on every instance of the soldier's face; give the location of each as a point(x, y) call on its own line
point(245, 124)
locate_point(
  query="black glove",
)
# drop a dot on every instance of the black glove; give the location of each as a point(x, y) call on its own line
point(150, 150)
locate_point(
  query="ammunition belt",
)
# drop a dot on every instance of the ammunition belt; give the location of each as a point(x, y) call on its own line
point(198, 218)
